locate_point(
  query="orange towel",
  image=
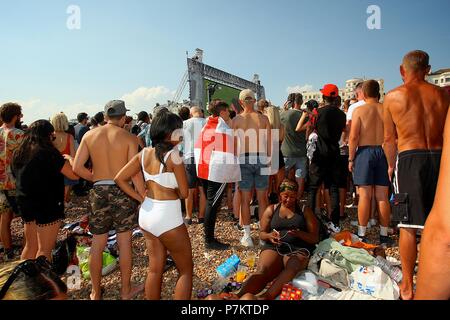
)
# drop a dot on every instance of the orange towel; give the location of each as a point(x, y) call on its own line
point(346, 237)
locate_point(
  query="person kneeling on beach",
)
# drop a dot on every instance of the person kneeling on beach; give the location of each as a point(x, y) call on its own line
point(290, 236)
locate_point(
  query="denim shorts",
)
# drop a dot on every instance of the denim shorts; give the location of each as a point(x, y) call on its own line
point(300, 165)
point(254, 172)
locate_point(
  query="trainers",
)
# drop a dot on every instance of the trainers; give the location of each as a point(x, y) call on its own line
point(216, 245)
point(385, 241)
point(247, 241)
point(238, 226)
point(188, 221)
point(355, 223)
point(331, 226)
point(364, 239)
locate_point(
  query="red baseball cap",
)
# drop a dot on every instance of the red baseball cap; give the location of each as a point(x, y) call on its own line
point(330, 90)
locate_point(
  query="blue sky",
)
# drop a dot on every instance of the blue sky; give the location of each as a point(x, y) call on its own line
point(136, 49)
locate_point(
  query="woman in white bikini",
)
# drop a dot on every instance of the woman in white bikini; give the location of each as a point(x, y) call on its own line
point(160, 215)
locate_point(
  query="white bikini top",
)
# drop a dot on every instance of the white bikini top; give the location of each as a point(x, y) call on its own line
point(164, 179)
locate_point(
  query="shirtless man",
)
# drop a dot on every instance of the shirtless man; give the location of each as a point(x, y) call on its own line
point(414, 114)
point(254, 136)
point(110, 148)
point(434, 267)
point(368, 164)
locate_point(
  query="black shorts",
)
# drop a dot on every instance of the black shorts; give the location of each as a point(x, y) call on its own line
point(343, 172)
point(324, 170)
point(191, 173)
point(43, 212)
point(417, 175)
point(371, 167)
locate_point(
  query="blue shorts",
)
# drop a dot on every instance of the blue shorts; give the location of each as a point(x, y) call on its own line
point(371, 167)
point(254, 173)
point(69, 182)
point(300, 165)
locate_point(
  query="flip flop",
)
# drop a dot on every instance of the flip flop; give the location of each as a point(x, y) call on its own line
point(169, 263)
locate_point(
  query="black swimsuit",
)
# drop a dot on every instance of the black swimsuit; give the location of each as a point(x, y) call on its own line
point(297, 222)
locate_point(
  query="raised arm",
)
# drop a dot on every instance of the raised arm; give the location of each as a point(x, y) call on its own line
point(302, 123)
point(390, 135)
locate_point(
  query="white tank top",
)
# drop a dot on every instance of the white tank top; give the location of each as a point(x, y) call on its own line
point(164, 179)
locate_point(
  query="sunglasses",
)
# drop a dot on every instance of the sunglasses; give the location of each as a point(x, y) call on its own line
point(31, 268)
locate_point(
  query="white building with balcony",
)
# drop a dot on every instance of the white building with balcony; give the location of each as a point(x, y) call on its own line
point(346, 93)
point(440, 78)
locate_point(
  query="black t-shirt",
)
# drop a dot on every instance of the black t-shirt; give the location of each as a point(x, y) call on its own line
point(40, 183)
point(331, 123)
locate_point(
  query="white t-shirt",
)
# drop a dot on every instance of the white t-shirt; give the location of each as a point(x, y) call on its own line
point(353, 107)
point(191, 131)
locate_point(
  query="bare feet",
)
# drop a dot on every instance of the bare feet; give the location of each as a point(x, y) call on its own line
point(134, 291)
point(94, 296)
point(406, 292)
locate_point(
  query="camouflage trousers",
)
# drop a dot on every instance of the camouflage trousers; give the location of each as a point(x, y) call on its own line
point(112, 209)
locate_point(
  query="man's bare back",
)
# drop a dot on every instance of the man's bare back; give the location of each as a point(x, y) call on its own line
point(251, 128)
point(418, 110)
point(369, 119)
point(109, 147)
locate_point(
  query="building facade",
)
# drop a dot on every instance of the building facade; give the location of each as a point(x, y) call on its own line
point(345, 93)
point(440, 78)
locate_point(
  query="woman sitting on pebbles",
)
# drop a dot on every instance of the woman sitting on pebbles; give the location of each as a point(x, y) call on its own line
point(290, 236)
point(160, 215)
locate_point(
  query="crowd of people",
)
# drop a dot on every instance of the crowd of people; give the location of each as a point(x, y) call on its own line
point(297, 164)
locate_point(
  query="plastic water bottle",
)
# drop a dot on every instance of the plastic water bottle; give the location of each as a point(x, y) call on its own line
point(393, 272)
point(227, 268)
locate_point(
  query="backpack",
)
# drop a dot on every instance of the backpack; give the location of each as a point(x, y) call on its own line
point(63, 254)
point(324, 232)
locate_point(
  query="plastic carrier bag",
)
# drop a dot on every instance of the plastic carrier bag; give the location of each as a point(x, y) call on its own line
point(372, 280)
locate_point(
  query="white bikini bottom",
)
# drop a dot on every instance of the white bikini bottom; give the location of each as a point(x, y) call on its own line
point(157, 216)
